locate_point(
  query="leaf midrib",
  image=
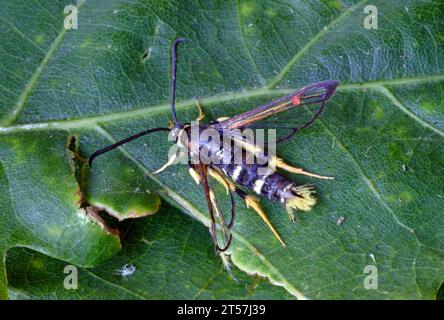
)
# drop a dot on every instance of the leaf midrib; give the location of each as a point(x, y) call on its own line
point(381, 86)
point(266, 89)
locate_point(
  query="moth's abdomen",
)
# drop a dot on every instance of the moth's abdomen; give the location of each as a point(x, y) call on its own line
point(274, 186)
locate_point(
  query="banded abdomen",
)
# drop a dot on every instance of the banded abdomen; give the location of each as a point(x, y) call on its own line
point(274, 185)
point(258, 177)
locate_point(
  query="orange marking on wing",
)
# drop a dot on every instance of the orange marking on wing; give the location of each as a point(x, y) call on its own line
point(296, 100)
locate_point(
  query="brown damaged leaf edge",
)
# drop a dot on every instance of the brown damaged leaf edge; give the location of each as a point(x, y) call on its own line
point(130, 215)
point(83, 172)
point(91, 212)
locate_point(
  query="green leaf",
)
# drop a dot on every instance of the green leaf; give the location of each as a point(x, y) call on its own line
point(381, 137)
point(164, 250)
point(40, 201)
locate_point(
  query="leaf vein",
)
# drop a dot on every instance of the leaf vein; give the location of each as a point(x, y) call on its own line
point(36, 75)
point(314, 40)
point(390, 95)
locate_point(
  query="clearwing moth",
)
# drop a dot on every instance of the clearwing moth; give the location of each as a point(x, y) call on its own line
point(239, 178)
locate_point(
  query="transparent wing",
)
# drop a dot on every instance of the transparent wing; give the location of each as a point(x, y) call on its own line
point(301, 108)
point(288, 123)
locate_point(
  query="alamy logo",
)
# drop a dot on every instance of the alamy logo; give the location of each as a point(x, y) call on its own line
point(371, 20)
point(71, 20)
point(371, 280)
point(71, 280)
point(209, 146)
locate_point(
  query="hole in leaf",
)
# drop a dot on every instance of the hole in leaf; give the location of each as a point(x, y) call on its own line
point(146, 55)
point(77, 164)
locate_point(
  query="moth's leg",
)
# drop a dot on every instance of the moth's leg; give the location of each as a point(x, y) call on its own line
point(170, 162)
point(290, 213)
point(194, 174)
point(306, 125)
point(219, 178)
point(201, 112)
point(253, 202)
point(277, 162)
point(229, 186)
point(173, 157)
point(225, 228)
point(246, 144)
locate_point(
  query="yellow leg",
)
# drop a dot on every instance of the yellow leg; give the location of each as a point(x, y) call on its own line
point(228, 185)
point(253, 202)
point(194, 175)
point(219, 216)
point(201, 113)
point(170, 161)
point(244, 143)
point(222, 119)
point(290, 213)
point(174, 156)
point(248, 146)
point(219, 178)
point(281, 164)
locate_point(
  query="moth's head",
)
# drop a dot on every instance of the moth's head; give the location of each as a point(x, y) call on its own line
point(175, 131)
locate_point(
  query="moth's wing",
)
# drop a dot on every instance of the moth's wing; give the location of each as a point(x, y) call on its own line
point(288, 123)
point(220, 206)
point(287, 114)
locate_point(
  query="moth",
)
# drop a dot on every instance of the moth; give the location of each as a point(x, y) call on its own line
point(260, 174)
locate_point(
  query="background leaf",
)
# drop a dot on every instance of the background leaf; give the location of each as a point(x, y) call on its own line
point(381, 137)
point(174, 259)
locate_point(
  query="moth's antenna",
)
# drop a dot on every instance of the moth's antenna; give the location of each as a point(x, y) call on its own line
point(306, 125)
point(123, 141)
point(173, 78)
